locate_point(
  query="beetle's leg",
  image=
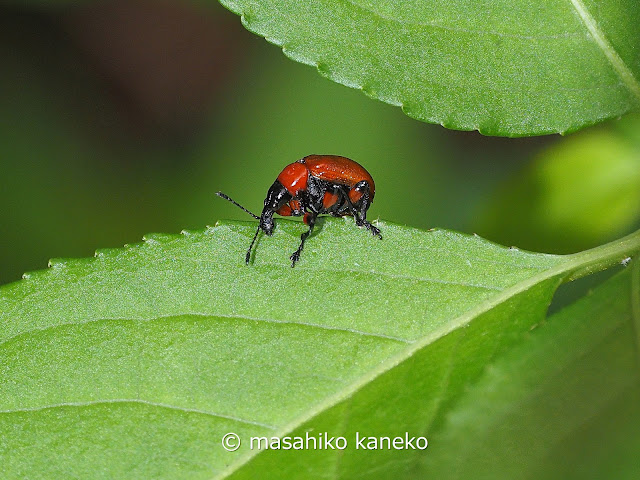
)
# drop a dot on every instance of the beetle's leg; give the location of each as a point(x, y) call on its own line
point(333, 200)
point(309, 219)
point(297, 208)
point(248, 255)
point(294, 208)
point(360, 195)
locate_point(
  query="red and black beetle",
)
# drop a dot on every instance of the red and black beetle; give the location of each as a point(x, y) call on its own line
point(312, 186)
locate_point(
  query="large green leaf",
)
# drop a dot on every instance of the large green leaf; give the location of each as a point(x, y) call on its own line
point(572, 389)
point(502, 67)
point(136, 363)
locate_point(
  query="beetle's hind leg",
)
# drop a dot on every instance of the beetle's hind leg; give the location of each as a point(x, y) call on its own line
point(359, 199)
point(375, 231)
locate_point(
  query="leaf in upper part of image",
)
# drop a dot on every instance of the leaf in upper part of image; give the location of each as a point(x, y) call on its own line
point(501, 67)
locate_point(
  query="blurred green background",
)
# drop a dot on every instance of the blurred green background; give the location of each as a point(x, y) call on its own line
point(123, 118)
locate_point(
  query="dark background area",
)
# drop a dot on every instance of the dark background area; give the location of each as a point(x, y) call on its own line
point(123, 118)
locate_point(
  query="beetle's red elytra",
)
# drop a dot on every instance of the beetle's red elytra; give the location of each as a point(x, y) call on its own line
point(316, 185)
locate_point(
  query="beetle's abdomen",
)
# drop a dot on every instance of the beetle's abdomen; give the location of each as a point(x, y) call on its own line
point(338, 170)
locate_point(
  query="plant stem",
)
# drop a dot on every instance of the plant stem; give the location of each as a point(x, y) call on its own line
point(603, 257)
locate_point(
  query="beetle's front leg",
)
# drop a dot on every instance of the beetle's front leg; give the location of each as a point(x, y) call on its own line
point(309, 219)
point(293, 208)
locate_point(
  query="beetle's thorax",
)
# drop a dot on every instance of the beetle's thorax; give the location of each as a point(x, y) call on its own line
point(294, 178)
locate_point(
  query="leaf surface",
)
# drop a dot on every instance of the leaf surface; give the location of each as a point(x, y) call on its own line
point(501, 67)
point(136, 363)
point(575, 383)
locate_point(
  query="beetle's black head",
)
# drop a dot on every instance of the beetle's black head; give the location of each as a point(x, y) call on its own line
point(266, 222)
point(277, 196)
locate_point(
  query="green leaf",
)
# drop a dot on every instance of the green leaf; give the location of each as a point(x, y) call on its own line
point(136, 363)
point(574, 384)
point(502, 67)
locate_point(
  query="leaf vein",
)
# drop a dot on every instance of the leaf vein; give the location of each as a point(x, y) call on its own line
point(449, 28)
point(208, 316)
point(142, 402)
point(590, 23)
point(351, 272)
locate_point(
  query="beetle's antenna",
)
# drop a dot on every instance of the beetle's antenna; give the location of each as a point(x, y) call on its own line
point(226, 197)
point(248, 257)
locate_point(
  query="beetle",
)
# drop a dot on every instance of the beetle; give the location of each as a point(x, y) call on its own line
point(312, 186)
